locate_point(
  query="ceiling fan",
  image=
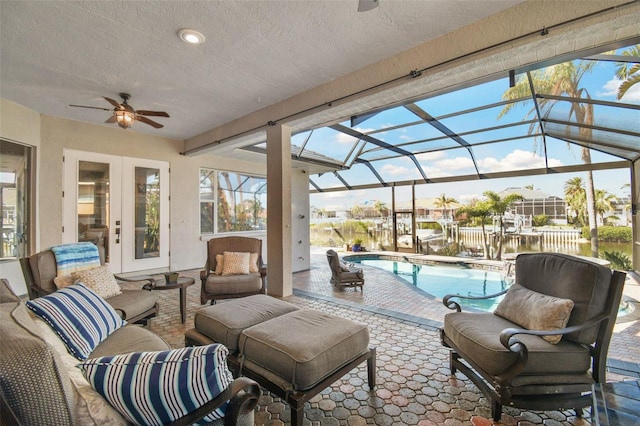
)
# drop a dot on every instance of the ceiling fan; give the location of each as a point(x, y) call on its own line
point(125, 115)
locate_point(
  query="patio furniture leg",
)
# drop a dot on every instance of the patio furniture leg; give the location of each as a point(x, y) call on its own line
point(371, 369)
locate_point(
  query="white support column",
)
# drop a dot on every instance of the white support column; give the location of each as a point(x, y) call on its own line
point(279, 279)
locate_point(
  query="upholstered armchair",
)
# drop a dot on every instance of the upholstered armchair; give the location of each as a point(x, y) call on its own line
point(135, 306)
point(547, 342)
point(234, 268)
point(342, 274)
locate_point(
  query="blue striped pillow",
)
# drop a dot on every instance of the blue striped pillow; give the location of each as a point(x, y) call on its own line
point(80, 317)
point(155, 388)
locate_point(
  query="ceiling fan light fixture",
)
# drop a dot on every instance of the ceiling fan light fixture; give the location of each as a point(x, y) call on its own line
point(190, 36)
point(124, 118)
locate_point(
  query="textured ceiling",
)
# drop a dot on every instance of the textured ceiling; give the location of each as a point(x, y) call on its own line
point(257, 53)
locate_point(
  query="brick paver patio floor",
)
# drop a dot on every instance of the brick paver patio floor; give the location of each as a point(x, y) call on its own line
point(414, 385)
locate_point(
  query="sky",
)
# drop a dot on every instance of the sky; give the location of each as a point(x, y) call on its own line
point(525, 153)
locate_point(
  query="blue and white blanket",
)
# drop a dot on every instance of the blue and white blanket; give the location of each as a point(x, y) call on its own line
point(75, 257)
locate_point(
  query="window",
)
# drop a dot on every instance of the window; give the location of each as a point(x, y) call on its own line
point(232, 202)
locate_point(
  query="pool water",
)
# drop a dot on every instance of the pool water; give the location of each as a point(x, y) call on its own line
point(440, 280)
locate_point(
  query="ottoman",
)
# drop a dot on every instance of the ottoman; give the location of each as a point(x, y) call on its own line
point(224, 321)
point(295, 353)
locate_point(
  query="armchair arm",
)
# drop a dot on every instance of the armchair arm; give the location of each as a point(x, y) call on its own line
point(508, 339)
point(149, 281)
point(204, 274)
point(242, 395)
point(515, 345)
point(446, 301)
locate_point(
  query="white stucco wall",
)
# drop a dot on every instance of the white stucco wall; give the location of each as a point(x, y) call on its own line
point(51, 135)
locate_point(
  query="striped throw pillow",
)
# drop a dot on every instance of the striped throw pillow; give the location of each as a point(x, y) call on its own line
point(80, 317)
point(155, 388)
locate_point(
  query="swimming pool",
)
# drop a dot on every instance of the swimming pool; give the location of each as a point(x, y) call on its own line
point(440, 280)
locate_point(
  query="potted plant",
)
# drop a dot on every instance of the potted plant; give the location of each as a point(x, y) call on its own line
point(357, 244)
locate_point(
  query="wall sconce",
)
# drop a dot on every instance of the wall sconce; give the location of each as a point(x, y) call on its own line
point(301, 216)
point(124, 118)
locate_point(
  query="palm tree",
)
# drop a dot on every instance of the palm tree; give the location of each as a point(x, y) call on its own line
point(379, 207)
point(575, 196)
point(499, 206)
point(481, 212)
point(558, 80)
point(628, 72)
point(605, 202)
point(356, 212)
point(444, 203)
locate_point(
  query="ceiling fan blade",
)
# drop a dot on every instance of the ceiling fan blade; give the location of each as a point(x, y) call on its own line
point(152, 113)
point(149, 122)
point(84, 106)
point(112, 102)
point(111, 119)
point(366, 5)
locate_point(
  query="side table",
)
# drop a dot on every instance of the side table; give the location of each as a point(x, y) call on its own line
point(182, 283)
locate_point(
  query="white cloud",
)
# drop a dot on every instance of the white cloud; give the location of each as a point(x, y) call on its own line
point(516, 160)
point(392, 170)
point(431, 156)
point(610, 89)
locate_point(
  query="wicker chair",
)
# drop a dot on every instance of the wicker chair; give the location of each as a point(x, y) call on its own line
point(216, 286)
point(513, 364)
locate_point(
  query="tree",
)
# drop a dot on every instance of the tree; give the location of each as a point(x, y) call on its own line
point(558, 80)
point(444, 203)
point(482, 212)
point(379, 207)
point(605, 202)
point(356, 212)
point(575, 196)
point(628, 72)
point(499, 206)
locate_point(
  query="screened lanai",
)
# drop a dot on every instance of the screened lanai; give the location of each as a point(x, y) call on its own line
point(551, 118)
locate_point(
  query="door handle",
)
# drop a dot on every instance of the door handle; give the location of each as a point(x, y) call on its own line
point(118, 235)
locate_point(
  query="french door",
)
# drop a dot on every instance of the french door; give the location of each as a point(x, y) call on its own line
point(121, 204)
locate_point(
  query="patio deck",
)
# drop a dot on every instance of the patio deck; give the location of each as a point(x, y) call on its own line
point(414, 386)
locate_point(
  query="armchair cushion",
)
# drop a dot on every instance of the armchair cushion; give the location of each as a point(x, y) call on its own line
point(100, 280)
point(79, 316)
point(535, 311)
point(235, 263)
point(479, 334)
point(168, 384)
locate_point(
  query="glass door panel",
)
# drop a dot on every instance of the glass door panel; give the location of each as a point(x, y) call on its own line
point(147, 213)
point(93, 209)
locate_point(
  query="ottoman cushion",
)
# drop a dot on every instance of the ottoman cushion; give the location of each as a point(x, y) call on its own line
point(303, 347)
point(223, 322)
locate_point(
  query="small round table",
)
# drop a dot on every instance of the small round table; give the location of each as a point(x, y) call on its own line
point(182, 283)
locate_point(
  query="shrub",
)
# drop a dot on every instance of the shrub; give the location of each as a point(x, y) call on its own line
point(615, 234)
point(619, 260)
point(540, 220)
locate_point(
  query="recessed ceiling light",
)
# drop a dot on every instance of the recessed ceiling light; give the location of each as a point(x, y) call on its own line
point(191, 36)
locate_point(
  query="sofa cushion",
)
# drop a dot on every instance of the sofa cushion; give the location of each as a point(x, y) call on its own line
point(223, 322)
point(168, 384)
point(535, 311)
point(479, 334)
point(100, 280)
point(32, 375)
point(304, 346)
point(131, 303)
point(79, 316)
point(130, 338)
point(233, 284)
